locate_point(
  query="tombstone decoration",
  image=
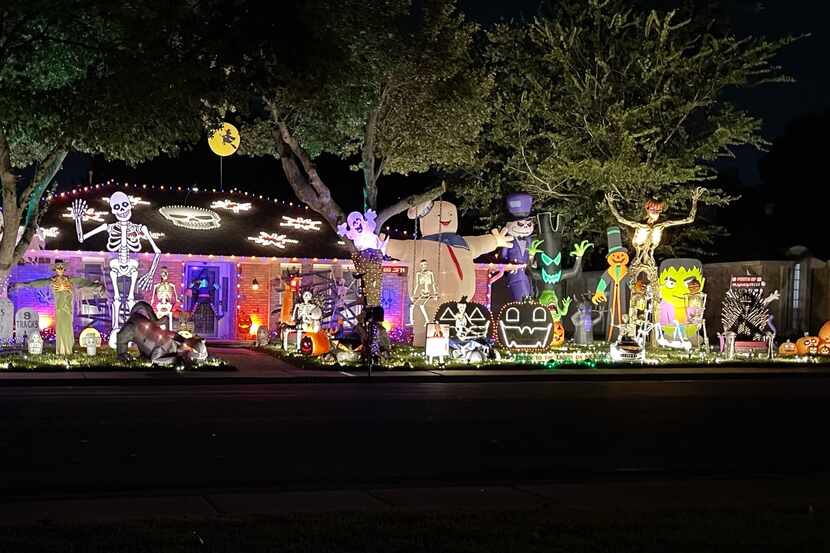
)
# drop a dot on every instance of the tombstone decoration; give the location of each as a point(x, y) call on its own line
point(6, 320)
point(466, 320)
point(262, 336)
point(35, 344)
point(26, 324)
point(524, 326)
point(745, 310)
point(90, 339)
point(584, 319)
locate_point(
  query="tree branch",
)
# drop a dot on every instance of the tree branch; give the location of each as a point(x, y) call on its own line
point(402, 205)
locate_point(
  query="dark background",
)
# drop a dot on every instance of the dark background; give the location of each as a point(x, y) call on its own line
point(783, 192)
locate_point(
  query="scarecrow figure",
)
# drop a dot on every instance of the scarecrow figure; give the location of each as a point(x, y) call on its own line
point(63, 287)
point(615, 277)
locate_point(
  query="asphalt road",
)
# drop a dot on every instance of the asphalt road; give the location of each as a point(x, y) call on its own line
point(121, 438)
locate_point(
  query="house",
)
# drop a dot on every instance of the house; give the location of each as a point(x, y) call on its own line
point(229, 254)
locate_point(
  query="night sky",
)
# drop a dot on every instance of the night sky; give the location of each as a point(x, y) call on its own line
point(787, 110)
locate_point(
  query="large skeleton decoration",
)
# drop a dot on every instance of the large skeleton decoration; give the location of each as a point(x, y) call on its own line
point(124, 239)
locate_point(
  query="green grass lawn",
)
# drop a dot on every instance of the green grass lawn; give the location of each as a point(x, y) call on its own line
point(539, 530)
point(104, 360)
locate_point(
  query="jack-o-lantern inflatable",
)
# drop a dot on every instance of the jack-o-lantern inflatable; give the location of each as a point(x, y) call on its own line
point(824, 332)
point(525, 326)
point(807, 345)
point(787, 349)
point(315, 343)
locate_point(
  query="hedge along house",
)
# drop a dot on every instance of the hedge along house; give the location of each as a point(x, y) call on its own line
point(229, 255)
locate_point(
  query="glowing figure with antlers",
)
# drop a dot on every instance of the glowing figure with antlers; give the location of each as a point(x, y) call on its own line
point(649, 233)
point(123, 238)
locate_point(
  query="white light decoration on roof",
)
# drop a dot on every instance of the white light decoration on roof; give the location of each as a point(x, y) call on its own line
point(300, 223)
point(231, 205)
point(90, 214)
point(273, 239)
point(191, 217)
point(157, 235)
point(51, 232)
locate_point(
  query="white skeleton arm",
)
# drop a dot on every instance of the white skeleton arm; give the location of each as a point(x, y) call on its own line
point(78, 210)
point(146, 280)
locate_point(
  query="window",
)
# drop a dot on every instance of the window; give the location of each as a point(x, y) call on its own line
point(796, 295)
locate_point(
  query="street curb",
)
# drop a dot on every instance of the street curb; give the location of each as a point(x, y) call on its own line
point(586, 375)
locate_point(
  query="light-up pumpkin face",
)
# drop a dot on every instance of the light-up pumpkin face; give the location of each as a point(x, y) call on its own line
point(807, 345)
point(824, 349)
point(617, 258)
point(558, 334)
point(824, 332)
point(787, 349)
point(525, 326)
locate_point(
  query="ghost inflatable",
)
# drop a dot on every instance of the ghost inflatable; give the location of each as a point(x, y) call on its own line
point(448, 255)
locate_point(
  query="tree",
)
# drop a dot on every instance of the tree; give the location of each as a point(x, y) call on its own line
point(94, 77)
point(605, 98)
point(389, 87)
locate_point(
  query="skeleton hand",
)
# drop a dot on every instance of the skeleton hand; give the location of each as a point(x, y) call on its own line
point(78, 210)
point(535, 246)
point(580, 249)
point(145, 281)
point(775, 296)
point(698, 193)
point(503, 240)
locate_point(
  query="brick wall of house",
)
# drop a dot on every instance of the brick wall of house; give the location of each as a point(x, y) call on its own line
point(250, 302)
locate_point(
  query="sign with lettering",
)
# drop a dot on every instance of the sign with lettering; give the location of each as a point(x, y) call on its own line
point(26, 323)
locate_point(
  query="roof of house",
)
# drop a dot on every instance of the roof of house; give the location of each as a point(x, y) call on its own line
point(199, 222)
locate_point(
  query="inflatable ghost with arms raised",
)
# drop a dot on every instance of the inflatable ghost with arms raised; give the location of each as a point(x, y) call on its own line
point(447, 254)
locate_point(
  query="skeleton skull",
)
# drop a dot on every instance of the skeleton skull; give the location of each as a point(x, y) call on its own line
point(121, 206)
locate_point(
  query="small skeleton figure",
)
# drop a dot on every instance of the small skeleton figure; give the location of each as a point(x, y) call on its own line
point(649, 233)
point(461, 320)
point(425, 289)
point(164, 298)
point(307, 316)
point(123, 238)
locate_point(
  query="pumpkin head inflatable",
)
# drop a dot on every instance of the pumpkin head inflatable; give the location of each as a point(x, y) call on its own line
point(824, 332)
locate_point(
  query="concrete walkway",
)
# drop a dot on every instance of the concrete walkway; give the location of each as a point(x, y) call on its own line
point(259, 367)
point(571, 499)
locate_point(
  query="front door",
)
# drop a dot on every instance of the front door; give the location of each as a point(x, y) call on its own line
point(207, 298)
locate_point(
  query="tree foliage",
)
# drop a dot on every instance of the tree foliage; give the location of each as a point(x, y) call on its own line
point(116, 79)
point(604, 97)
point(389, 86)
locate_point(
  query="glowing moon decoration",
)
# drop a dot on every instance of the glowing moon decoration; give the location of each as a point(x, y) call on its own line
point(225, 140)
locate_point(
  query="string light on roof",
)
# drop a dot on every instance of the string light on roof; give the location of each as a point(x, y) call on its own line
point(231, 205)
point(300, 223)
point(51, 232)
point(273, 239)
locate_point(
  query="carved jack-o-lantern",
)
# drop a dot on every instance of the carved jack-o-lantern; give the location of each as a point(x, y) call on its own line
point(558, 334)
point(824, 332)
point(787, 349)
point(315, 343)
point(525, 326)
point(807, 345)
point(467, 320)
point(824, 349)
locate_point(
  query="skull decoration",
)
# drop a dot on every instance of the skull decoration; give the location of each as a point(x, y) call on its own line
point(475, 317)
point(121, 206)
point(525, 326)
point(190, 217)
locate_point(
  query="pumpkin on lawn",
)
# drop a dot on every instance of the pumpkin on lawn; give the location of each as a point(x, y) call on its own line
point(558, 334)
point(807, 345)
point(787, 349)
point(526, 326)
point(824, 332)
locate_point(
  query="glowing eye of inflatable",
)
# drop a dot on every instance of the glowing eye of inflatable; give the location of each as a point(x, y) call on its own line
point(191, 217)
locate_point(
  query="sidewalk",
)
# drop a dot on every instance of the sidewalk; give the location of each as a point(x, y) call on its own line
point(571, 499)
point(254, 367)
